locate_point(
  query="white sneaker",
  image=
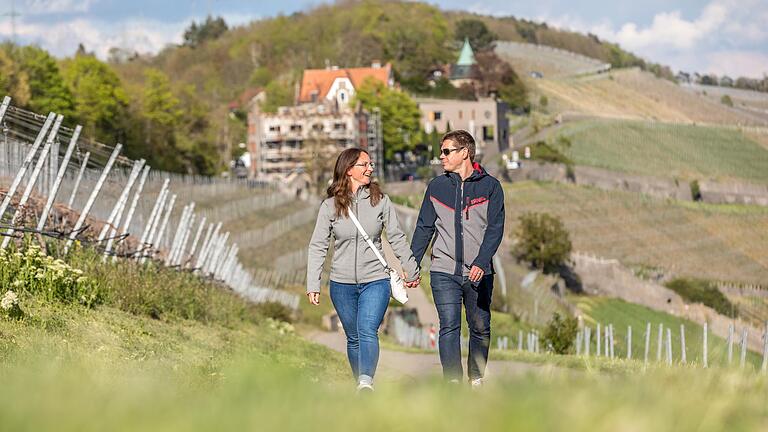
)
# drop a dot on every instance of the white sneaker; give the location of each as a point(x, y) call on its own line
point(364, 387)
point(477, 383)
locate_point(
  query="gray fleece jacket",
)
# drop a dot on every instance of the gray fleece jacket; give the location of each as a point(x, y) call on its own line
point(353, 259)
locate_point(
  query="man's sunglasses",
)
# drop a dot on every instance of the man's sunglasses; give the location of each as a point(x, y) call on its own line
point(447, 151)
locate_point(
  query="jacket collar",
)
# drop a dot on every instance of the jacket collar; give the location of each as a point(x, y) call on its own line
point(363, 192)
point(477, 173)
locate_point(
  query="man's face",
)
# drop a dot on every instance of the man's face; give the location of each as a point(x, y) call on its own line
point(455, 157)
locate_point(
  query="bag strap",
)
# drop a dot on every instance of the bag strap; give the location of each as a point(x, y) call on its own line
point(367, 239)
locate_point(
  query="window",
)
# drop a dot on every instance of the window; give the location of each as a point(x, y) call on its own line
point(339, 126)
point(274, 128)
point(295, 128)
point(473, 114)
point(317, 127)
point(461, 114)
point(487, 133)
point(438, 115)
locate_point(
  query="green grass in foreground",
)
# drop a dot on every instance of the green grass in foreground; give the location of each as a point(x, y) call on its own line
point(66, 367)
point(263, 395)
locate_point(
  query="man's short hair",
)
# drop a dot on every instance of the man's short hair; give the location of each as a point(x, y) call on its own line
point(462, 138)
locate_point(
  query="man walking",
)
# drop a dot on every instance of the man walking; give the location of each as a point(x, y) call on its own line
point(465, 206)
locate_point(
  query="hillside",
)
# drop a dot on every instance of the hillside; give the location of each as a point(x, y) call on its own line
point(683, 152)
point(548, 61)
point(639, 95)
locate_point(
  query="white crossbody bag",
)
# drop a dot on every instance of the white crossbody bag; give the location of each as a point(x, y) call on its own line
point(398, 290)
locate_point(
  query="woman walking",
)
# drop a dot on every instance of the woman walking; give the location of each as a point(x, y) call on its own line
point(359, 283)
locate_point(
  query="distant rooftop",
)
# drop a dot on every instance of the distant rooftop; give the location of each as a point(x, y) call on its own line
point(467, 56)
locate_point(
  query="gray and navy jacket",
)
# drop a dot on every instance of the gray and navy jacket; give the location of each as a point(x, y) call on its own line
point(468, 217)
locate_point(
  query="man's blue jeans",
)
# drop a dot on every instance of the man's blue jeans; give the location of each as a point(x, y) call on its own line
point(450, 292)
point(361, 309)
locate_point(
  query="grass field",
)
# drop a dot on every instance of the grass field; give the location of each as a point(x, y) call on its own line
point(667, 150)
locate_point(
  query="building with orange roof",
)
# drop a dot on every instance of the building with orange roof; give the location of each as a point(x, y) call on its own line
point(338, 85)
point(276, 141)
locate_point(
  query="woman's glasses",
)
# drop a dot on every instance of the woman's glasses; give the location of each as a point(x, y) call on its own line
point(367, 164)
point(447, 151)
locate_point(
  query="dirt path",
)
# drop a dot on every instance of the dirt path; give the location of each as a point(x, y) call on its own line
point(399, 366)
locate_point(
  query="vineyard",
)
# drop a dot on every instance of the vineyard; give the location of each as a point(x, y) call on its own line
point(715, 242)
point(633, 94)
point(550, 62)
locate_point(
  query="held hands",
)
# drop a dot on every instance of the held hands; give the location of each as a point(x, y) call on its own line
point(314, 298)
point(476, 273)
point(412, 284)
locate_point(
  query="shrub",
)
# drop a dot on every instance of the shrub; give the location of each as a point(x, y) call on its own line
point(548, 153)
point(542, 240)
point(35, 273)
point(695, 191)
point(726, 100)
point(163, 293)
point(704, 292)
point(560, 333)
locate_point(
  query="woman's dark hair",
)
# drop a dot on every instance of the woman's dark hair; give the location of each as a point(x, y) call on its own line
point(340, 188)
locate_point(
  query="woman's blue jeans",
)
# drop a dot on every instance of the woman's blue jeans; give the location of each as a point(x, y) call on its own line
point(361, 309)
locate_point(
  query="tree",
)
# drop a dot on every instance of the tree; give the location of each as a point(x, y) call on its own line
point(48, 91)
point(278, 93)
point(162, 116)
point(560, 333)
point(101, 103)
point(14, 82)
point(542, 240)
point(400, 115)
point(477, 32)
point(498, 76)
point(209, 29)
point(319, 156)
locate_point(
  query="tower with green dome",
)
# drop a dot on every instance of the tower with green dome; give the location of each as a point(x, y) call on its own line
point(463, 71)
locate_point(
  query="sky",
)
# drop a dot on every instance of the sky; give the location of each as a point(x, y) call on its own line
point(711, 36)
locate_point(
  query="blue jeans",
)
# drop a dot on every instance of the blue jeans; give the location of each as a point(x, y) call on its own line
point(361, 309)
point(449, 292)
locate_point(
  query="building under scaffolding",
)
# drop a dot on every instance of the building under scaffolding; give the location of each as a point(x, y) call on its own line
point(278, 142)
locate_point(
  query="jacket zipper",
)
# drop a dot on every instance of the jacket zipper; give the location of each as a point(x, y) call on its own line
point(461, 201)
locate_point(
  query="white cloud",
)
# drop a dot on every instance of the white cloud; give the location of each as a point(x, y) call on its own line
point(738, 63)
point(62, 39)
point(728, 36)
point(133, 34)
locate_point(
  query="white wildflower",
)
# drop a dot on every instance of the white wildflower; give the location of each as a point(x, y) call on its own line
point(10, 299)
